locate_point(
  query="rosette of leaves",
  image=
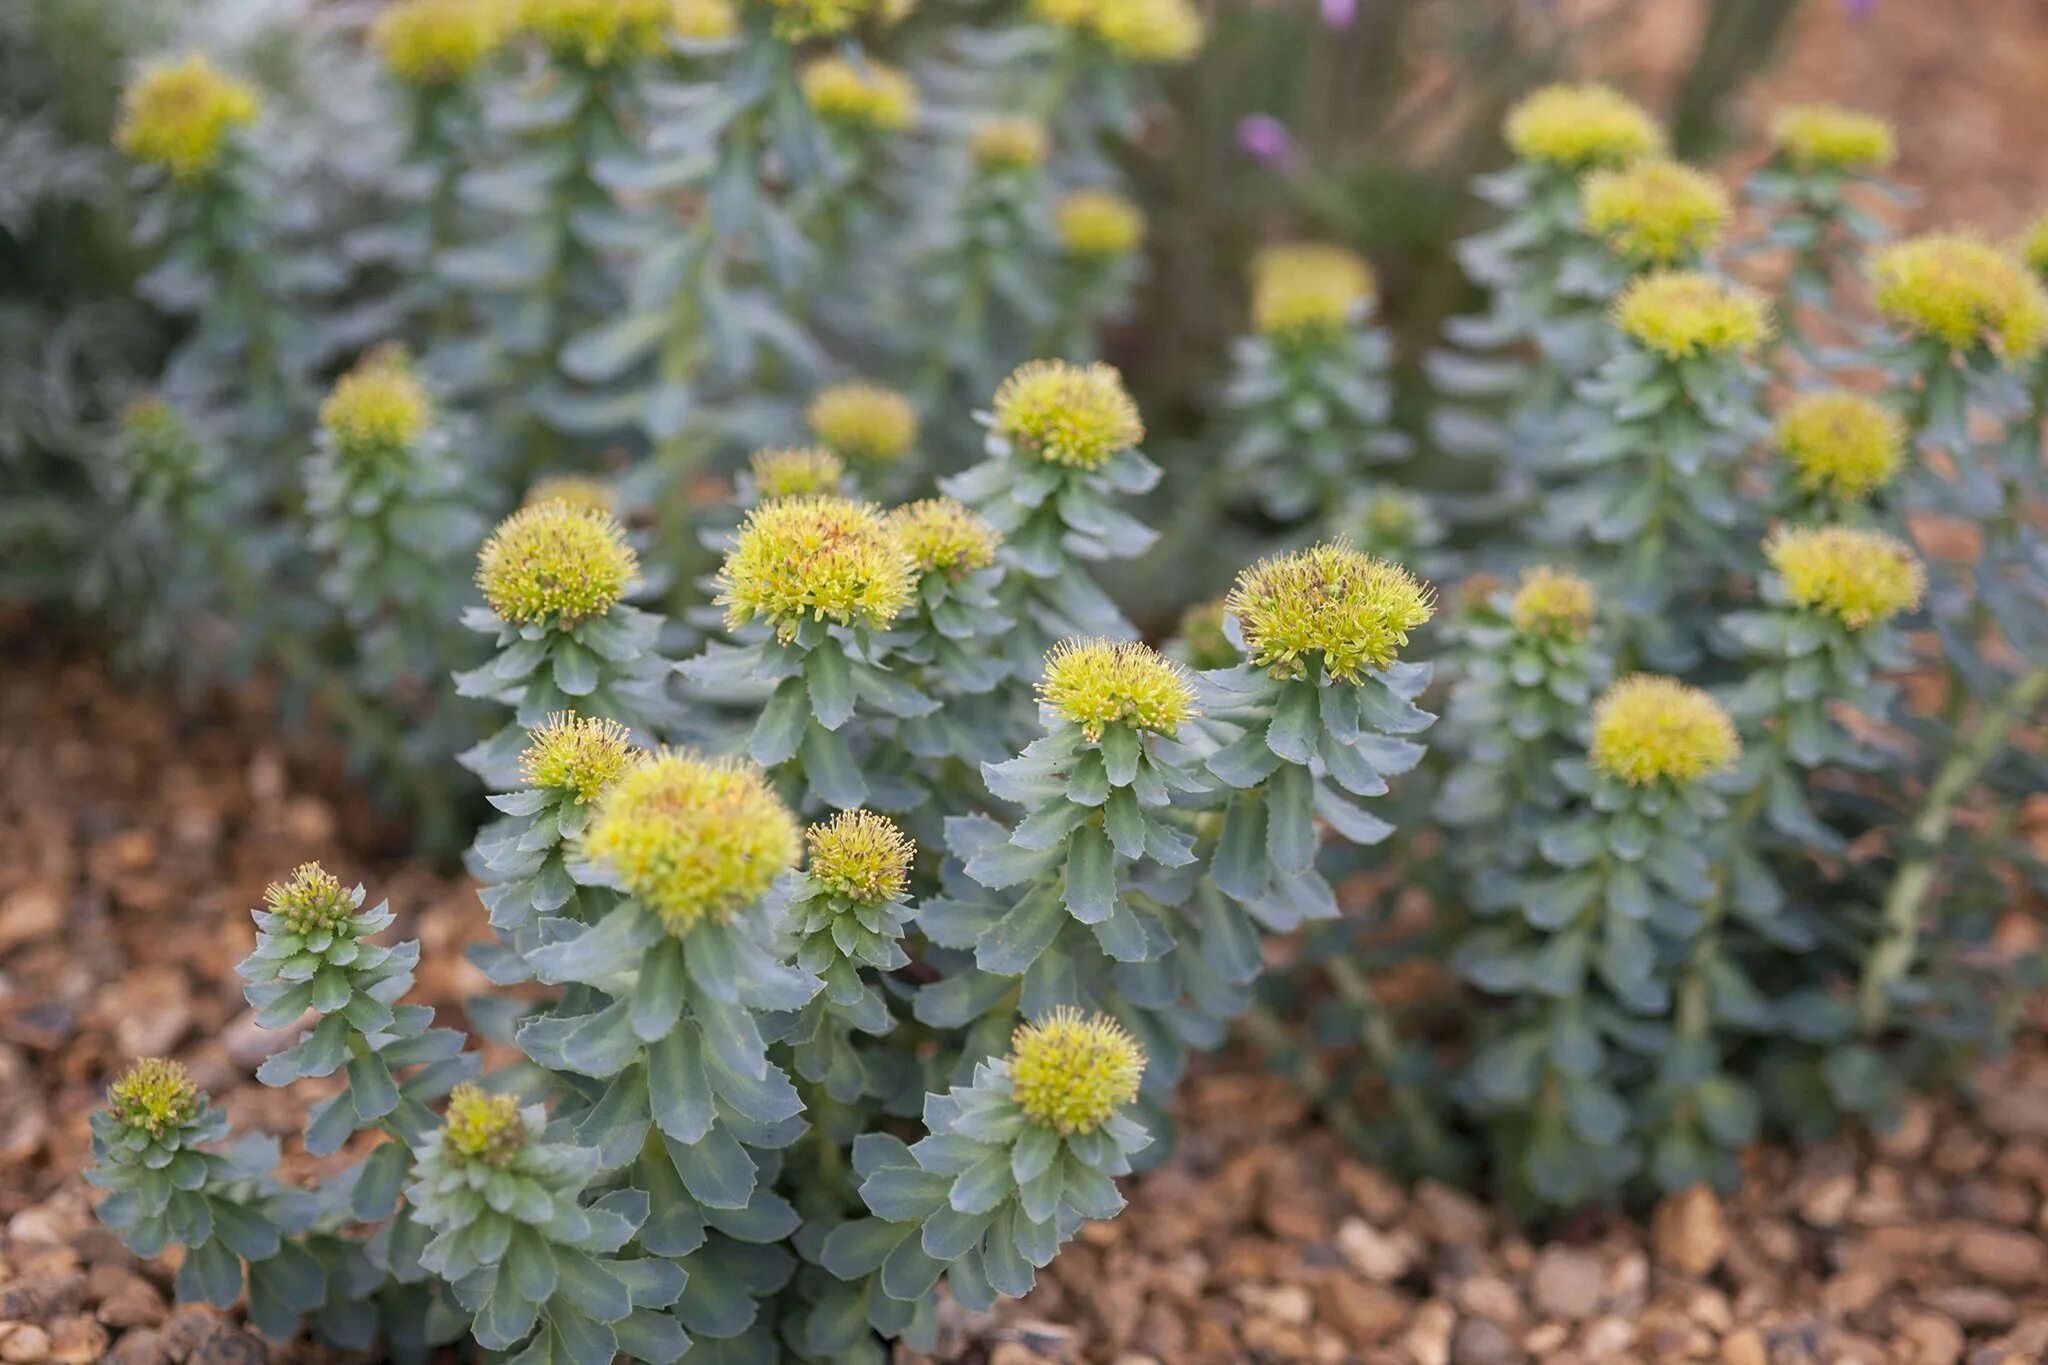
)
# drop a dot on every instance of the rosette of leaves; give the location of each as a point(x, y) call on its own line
point(1014, 1164)
point(223, 1208)
point(1061, 445)
point(1309, 391)
point(534, 1259)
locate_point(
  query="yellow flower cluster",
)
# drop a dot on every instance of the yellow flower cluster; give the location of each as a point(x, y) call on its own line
point(1960, 290)
point(598, 32)
point(862, 856)
point(943, 536)
point(439, 42)
point(555, 562)
point(1098, 683)
point(1841, 443)
point(310, 901)
point(1656, 212)
point(1858, 577)
point(178, 115)
point(799, 20)
point(693, 839)
point(1303, 290)
point(580, 754)
point(1829, 137)
point(2033, 246)
point(377, 408)
point(1581, 126)
point(866, 423)
point(1009, 142)
point(1648, 727)
point(482, 1128)
point(1329, 600)
point(1071, 1072)
point(868, 96)
point(1098, 225)
point(796, 472)
point(573, 490)
point(154, 1096)
point(1065, 414)
point(705, 21)
point(1680, 313)
point(820, 558)
point(1552, 603)
point(1163, 31)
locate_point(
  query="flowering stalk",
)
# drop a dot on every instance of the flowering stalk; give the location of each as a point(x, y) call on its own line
point(1823, 158)
point(950, 638)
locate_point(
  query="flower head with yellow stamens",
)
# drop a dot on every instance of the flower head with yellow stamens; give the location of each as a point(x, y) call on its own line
point(866, 423)
point(1152, 31)
point(1656, 212)
point(1098, 683)
point(705, 21)
point(1682, 313)
point(817, 558)
point(861, 856)
point(1841, 444)
point(574, 490)
point(1859, 577)
point(178, 115)
point(1961, 291)
point(944, 536)
point(554, 563)
point(797, 21)
point(1331, 602)
point(154, 1096)
point(1648, 728)
point(869, 96)
point(1074, 415)
point(1009, 142)
point(1303, 290)
point(377, 409)
point(692, 839)
point(1578, 127)
point(598, 33)
point(438, 42)
point(1829, 137)
point(1098, 225)
point(482, 1129)
point(1553, 604)
point(795, 472)
point(1072, 1072)
point(311, 901)
point(581, 755)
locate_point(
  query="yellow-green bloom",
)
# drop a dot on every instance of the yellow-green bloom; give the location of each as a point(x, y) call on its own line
point(1202, 637)
point(178, 115)
point(555, 562)
point(869, 96)
point(573, 490)
point(1308, 289)
point(705, 21)
point(1009, 142)
point(311, 901)
point(1098, 225)
point(818, 558)
point(862, 856)
point(598, 32)
point(1552, 603)
point(795, 472)
point(691, 838)
point(2033, 246)
point(866, 423)
point(438, 42)
point(580, 754)
point(1648, 727)
point(1680, 313)
point(1858, 577)
point(1654, 211)
point(154, 1096)
point(1079, 416)
point(798, 20)
point(481, 1128)
point(1098, 683)
point(1581, 126)
point(1071, 1072)
point(1329, 600)
point(1961, 290)
point(378, 408)
point(1829, 137)
point(943, 536)
point(1841, 443)
point(1154, 31)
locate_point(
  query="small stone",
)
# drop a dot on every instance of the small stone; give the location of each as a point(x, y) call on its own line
point(77, 1340)
point(1381, 1257)
point(2003, 1257)
point(1364, 1312)
point(1477, 1341)
point(38, 1298)
point(1490, 1297)
point(1995, 1201)
point(1689, 1232)
point(1824, 1204)
point(126, 1299)
point(1936, 1340)
point(1451, 1216)
point(1566, 1283)
point(24, 1342)
point(2017, 1111)
point(1428, 1339)
point(1973, 1306)
point(1547, 1338)
point(1606, 1338)
point(1908, 1137)
point(1744, 1347)
point(1852, 1292)
point(140, 1348)
point(32, 912)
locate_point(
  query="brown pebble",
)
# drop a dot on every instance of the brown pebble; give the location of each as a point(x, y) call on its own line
point(24, 1342)
point(1744, 1347)
point(1566, 1283)
point(1689, 1232)
point(77, 1340)
point(37, 1298)
point(2003, 1257)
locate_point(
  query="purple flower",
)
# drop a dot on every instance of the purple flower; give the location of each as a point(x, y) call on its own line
point(1265, 139)
point(1339, 13)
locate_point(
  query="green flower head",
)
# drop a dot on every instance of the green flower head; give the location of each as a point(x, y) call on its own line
point(861, 856)
point(1551, 603)
point(1859, 577)
point(1071, 1072)
point(578, 754)
point(482, 1129)
point(1962, 291)
point(816, 558)
point(866, 423)
point(555, 563)
point(377, 409)
point(154, 1096)
point(1841, 443)
point(1681, 313)
point(1098, 683)
point(945, 537)
point(179, 114)
point(1656, 212)
point(795, 472)
point(1079, 416)
point(312, 901)
point(1328, 601)
point(1829, 137)
point(1648, 728)
point(1578, 127)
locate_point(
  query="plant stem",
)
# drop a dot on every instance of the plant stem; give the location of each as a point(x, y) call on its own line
point(1910, 887)
point(1377, 1033)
